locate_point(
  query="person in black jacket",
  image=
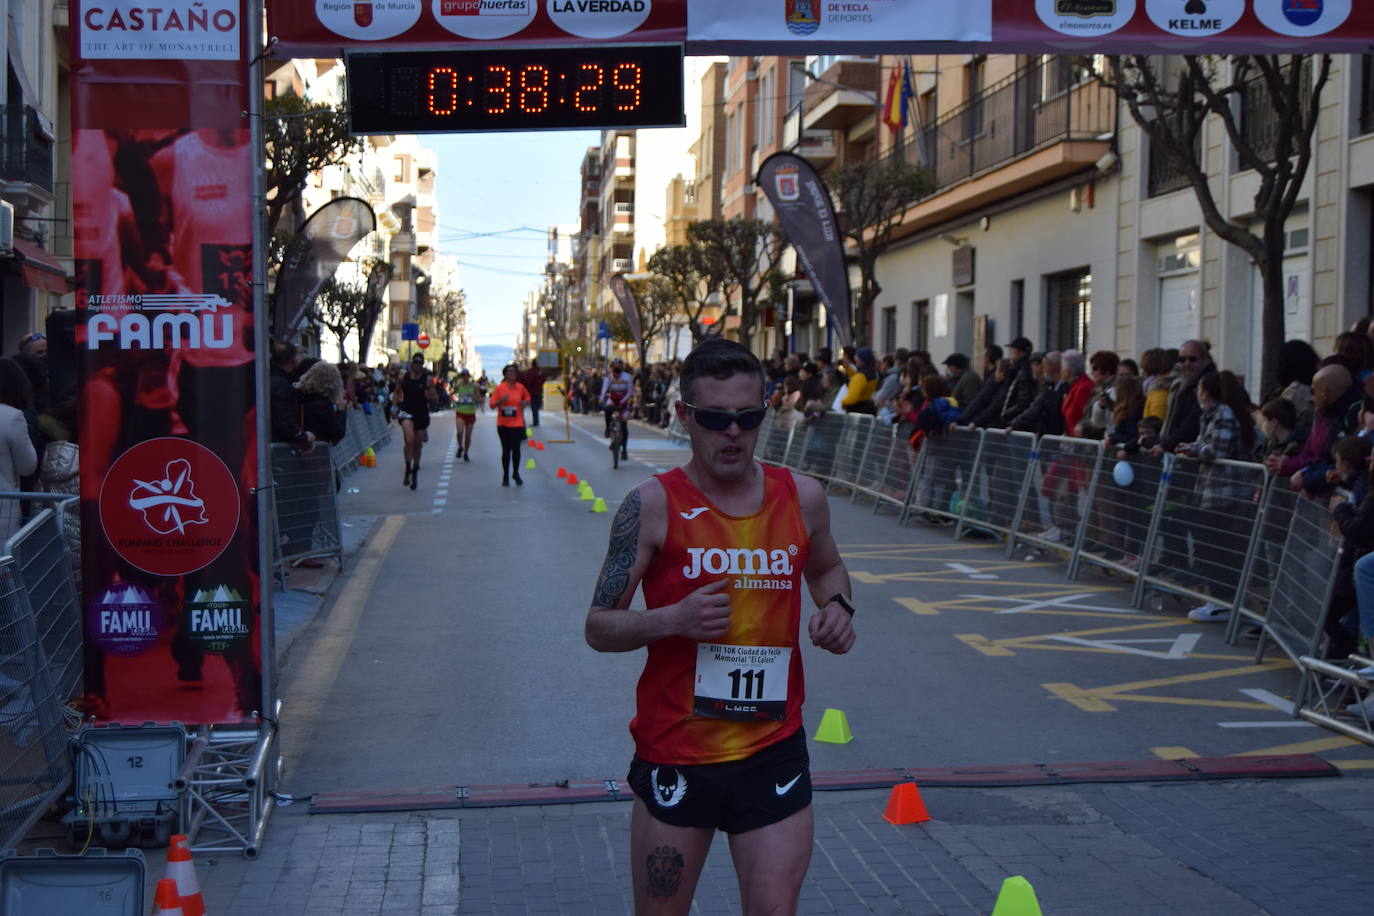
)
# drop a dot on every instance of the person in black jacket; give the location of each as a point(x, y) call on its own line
point(323, 411)
point(1021, 384)
point(1183, 422)
point(1352, 507)
point(285, 400)
point(988, 393)
point(991, 414)
point(1043, 417)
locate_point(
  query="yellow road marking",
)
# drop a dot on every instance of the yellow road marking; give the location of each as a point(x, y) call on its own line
point(955, 578)
point(1083, 699)
point(983, 644)
point(916, 606)
point(1173, 753)
point(1184, 701)
point(917, 548)
point(1303, 747)
point(1352, 764)
point(311, 687)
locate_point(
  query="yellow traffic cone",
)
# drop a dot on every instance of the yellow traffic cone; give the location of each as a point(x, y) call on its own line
point(834, 728)
point(587, 495)
point(1017, 898)
point(529, 464)
point(529, 433)
point(599, 505)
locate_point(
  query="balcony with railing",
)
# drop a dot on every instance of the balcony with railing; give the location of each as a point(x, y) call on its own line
point(1024, 132)
point(816, 146)
point(1260, 124)
point(26, 152)
point(1164, 176)
point(842, 96)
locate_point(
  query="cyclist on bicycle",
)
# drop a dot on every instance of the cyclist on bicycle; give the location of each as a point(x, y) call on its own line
point(617, 398)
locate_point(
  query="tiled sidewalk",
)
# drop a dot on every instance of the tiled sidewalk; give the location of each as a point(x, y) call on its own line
point(1248, 847)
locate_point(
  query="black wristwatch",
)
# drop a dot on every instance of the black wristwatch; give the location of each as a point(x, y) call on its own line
point(842, 601)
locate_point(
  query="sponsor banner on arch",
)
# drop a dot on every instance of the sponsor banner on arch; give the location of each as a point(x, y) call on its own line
point(1036, 26)
point(162, 227)
point(304, 27)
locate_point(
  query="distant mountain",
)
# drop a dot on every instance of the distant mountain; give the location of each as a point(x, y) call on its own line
point(493, 357)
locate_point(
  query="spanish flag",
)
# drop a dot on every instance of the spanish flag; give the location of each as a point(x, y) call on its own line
point(893, 109)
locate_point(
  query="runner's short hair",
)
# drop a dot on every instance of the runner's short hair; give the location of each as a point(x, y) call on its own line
point(719, 358)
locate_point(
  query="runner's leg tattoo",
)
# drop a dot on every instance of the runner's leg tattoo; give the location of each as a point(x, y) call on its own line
point(663, 868)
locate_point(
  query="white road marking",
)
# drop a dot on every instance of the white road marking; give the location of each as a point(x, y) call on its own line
point(1065, 602)
point(1291, 724)
point(440, 502)
point(1269, 699)
point(1179, 646)
point(970, 571)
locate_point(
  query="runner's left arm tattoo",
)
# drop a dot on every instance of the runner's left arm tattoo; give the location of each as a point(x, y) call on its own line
point(620, 555)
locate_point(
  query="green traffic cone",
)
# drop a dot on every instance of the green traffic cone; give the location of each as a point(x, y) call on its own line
point(834, 728)
point(587, 494)
point(1017, 898)
point(529, 433)
point(529, 464)
point(599, 505)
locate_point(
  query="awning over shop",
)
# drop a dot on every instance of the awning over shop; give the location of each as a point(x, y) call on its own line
point(40, 270)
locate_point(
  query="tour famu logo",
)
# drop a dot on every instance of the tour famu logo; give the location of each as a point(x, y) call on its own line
point(802, 17)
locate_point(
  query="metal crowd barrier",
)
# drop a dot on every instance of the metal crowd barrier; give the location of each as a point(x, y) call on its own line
point(944, 474)
point(856, 430)
point(306, 504)
point(40, 656)
point(1058, 497)
point(1122, 512)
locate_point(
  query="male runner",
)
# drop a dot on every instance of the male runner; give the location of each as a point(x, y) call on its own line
point(721, 546)
point(465, 399)
point(414, 395)
point(617, 397)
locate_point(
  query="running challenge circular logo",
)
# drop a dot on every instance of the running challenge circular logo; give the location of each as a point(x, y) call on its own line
point(1301, 18)
point(368, 20)
point(169, 506)
point(1195, 18)
point(599, 18)
point(1085, 18)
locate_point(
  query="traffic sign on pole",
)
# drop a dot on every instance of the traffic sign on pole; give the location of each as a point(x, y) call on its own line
point(422, 341)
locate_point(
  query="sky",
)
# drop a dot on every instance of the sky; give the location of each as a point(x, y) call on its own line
point(498, 194)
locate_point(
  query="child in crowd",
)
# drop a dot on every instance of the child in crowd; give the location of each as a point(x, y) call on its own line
point(1123, 427)
point(1279, 423)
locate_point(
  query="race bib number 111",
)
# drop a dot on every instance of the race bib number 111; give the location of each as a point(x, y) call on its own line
point(744, 683)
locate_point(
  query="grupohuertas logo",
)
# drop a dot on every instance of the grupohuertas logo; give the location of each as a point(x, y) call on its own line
point(802, 16)
point(1300, 18)
point(1085, 17)
point(599, 18)
point(159, 320)
point(484, 18)
point(169, 504)
point(166, 30)
point(217, 619)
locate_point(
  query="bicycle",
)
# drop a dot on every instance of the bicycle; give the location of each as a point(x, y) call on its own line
point(619, 434)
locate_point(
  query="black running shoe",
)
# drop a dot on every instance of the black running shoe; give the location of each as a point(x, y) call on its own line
point(405, 482)
point(465, 457)
point(505, 481)
point(518, 481)
point(414, 478)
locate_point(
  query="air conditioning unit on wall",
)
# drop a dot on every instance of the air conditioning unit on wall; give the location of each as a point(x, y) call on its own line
point(6, 225)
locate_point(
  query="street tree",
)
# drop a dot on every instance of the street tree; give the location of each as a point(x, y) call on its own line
point(300, 138)
point(695, 275)
point(749, 252)
point(378, 272)
point(447, 312)
point(1172, 98)
point(872, 198)
point(340, 308)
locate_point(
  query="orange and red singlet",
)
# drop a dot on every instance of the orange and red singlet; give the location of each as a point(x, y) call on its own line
point(711, 702)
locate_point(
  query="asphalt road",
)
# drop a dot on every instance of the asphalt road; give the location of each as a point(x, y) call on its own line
point(452, 653)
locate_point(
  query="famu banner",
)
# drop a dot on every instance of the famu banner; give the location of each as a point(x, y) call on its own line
point(162, 213)
point(626, 297)
point(803, 205)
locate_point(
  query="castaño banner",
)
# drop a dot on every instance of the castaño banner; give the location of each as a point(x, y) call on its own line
point(162, 221)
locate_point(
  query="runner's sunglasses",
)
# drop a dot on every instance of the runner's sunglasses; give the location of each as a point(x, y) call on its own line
point(718, 420)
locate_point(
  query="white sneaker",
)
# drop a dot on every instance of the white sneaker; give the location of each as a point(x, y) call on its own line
point(1211, 612)
point(1363, 709)
point(1053, 535)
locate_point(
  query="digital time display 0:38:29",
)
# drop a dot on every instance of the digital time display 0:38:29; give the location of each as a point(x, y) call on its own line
point(515, 89)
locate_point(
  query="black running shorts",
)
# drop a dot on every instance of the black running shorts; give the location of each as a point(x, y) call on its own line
point(735, 796)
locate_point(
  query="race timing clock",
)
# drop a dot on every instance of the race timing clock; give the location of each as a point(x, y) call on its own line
point(452, 91)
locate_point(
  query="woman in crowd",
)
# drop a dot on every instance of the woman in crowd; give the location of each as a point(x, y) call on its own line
point(1159, 375)
point(862, 375)
point(324, 410)
point(1297, 363)
point(17, 456)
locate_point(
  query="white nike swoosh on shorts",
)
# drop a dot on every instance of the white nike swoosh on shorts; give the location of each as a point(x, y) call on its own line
point(787, 786)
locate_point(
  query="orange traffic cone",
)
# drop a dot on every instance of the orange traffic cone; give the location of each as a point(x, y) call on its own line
point(904, 805)
point(538, 446)
point(167, 901)
point(181, 870)
point(572, 478)
point(562, 472)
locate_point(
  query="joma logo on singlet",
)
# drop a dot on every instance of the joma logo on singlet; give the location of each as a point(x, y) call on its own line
point(715, 561)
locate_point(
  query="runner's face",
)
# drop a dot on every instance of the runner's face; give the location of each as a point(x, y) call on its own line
point(728, 454)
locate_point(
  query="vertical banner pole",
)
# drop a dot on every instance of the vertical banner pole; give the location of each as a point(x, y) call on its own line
point(265, 494)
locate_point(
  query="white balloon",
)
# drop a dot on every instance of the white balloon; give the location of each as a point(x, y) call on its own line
point(1123, 474)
